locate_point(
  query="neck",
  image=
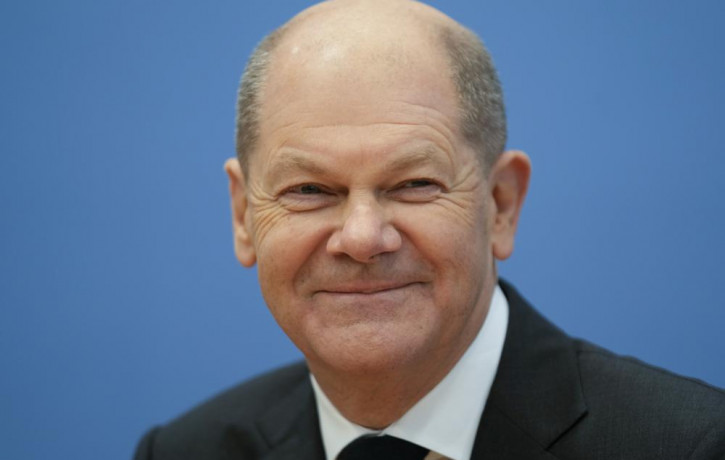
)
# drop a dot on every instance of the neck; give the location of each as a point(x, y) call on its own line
point(375, 400)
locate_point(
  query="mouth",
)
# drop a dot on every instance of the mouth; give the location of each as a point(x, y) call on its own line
point(366, 288)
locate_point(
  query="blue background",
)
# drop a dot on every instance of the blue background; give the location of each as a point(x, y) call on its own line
point(121, 301)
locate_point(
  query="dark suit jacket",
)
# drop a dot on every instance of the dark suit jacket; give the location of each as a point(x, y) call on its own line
point(553, 397)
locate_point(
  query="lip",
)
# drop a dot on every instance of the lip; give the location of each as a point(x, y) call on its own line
point(365, 288)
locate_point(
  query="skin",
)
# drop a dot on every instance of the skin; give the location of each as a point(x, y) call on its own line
point(374, 226)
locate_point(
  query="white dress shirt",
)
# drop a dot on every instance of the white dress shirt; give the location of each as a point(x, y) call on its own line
point(446, 419)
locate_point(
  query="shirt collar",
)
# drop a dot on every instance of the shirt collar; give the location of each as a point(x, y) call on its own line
point(446, 419)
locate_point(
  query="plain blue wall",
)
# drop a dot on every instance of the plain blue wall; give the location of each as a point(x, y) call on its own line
point(121, 301)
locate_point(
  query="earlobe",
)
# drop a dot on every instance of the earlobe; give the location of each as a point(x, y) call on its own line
point(509, 181)
point(241, 225)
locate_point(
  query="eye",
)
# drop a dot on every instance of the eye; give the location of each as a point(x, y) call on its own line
point(417, 183)
point(306, 189)
point(416, 190)
point(306, 197)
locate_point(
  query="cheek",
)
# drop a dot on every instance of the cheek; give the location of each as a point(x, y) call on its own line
point(449, 235)
point(456, 246)
point(286, 251)
point(283, 251)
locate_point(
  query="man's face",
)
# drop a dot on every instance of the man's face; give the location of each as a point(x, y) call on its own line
point(367, 213)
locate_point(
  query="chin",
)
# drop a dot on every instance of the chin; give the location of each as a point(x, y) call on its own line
point(368, 351)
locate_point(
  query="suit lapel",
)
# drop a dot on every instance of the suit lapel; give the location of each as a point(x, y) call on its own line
point(291, 427)
point(536, 395)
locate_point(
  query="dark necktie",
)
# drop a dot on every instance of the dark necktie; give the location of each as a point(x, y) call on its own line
point(382, 448)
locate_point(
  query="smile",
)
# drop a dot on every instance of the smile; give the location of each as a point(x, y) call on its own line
point(366, 288)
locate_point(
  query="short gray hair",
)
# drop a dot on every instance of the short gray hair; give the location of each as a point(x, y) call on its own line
point(483, 116)
point(249, 96)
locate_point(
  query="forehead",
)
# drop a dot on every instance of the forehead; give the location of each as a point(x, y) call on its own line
point(315, 83)
point(333, 71)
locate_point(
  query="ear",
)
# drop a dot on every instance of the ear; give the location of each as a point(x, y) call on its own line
point(241, 221)
point(508, 182)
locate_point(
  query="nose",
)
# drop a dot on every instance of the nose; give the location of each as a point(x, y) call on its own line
point(365, 232)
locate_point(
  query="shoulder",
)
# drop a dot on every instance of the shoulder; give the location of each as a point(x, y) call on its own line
point(634, 407)
point(227, 420)
point(582, 401)
point(646, 391)
point(245, 402)
point(604, 372)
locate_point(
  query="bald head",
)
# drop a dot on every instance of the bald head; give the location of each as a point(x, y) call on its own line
point(374, 43)
point(369, 29)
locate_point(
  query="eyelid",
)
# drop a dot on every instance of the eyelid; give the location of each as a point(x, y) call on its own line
point(294, 200)
point(407, 191)
point(430, 182)
point(420, 181)
point(297, 189)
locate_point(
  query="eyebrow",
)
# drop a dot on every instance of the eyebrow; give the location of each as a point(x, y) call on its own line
point(295, 162)
point(428, 154)
point(289, 162)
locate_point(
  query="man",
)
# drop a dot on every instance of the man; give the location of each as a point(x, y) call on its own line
point(372, 190)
